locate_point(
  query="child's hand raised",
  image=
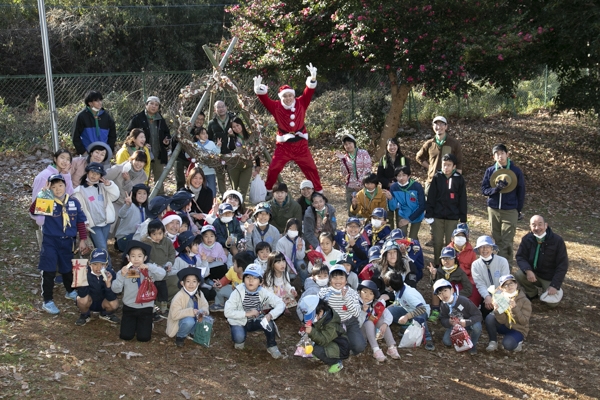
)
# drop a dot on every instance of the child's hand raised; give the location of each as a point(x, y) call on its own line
point(388, 195)
point(344, 291)
point(105, 181)
point(219, 142)
point(203, 256)
point(217, 285)
point(125, 176)
point(431, 269)
point(128, 200)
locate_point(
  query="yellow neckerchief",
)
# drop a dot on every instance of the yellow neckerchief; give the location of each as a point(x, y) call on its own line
point(448, 272)
point(509, 314)
point(65, 216)
point(375, 232)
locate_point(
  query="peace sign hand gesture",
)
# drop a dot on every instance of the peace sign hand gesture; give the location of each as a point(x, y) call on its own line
point(128, 198)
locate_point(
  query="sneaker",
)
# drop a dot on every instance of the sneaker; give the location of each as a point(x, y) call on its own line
point(50, 307)
point(473, 351)
point(156, 317)
point(492, 346)
point(179, 341)
point(519, 347)
point(435, 315)
point(112, 318)
point(71, 295)
point(83, 319)
point(216, 308)
point(393, 352)
point(378, 355)
point(239, 346)
point(335, 368)
point(274, 352)
point(429, 345)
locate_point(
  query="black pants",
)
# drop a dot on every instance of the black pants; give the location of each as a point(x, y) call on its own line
point(48, 284)
point(163, 292)
point(218, 272)
point(136, 322)
point(319, 352)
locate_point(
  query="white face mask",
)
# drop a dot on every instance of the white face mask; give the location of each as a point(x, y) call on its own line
point(321, 209)
point(487, 258)
point(540, 236)
point(235, 207)
point(94, 109)
point(226, 220)
point(261, 224)
point(322, 282)
point(460, 241)
point(370, 191)
point(292, 234)
point(376, 223)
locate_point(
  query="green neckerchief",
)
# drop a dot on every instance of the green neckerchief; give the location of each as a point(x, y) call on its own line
point(352, 158)
point(322, 213)
point(384, 161)
point(440, 143)
point(133, 149)
point(241, 139)
point(405, 188)
point(537, 251)
point(224, 122)
point(150, 117)
point(307, 201)
point(370, 196)
point(96, 121)
point(500, 166)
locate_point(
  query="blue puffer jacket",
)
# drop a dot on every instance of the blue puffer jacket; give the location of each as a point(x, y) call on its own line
point(504, 201)
point(408, 200)
point(85, 131)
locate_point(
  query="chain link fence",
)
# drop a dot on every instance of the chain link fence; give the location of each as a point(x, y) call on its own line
point(357, 101)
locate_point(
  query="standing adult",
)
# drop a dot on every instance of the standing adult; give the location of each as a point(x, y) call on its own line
point(504, 185)
point(355, 165)
point(202, 202)
point(543, 262)
point(182, 163)
point(392, 159)
point(220, 128)
point(241, 173)
point(158, 136)
point(93, 124)
point(292, 136)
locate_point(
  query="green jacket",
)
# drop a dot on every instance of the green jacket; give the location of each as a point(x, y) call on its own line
point(281, 213)
point(328, 333)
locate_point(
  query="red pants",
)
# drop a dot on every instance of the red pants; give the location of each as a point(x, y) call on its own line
point(300, 154)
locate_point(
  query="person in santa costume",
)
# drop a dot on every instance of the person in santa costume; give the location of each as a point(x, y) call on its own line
point(292, 137)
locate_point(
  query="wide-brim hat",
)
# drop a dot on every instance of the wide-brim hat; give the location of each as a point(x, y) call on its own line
point(106, 147)
point(157, 205)
point(504, 174)
point(182, 274)
point(181, 199)
point(185, 239)
point(262, 207)
point(440, 283)
point(307, 306)
point(485, 241)
point(146, 248)
point(555, 298)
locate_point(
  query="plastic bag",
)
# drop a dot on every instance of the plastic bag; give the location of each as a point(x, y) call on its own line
point(304, 347)
point(413, 335)
point(258, 190)
point(79, 272)
point(203, 331)
point(147, 291)
point(460, 338)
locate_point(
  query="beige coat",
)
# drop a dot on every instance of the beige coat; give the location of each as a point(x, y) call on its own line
point(521, 313)
point(180, 309)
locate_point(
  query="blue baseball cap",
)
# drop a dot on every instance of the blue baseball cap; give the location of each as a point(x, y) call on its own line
point(448, 252)
point(99, 256)
point(56, 177)
point(353, 220)
point(224, 207)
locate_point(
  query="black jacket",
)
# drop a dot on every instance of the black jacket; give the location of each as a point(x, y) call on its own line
point(447, 198)
point(141, 121)
point(385, 169)
point(216, 132)
point(553, 261)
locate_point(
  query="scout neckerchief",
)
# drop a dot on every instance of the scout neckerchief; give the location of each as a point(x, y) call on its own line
point(370, 196)
point(451, 305)
point(96, 121)
point(151, 117)
point(487, 264)
point(440, 142)
point(262, 232)
point(294, 248)
point(352, 158)
point(537, 251)
point(384, 160)
point(375, 232)
point(65, 216)
point(407, 186)
point(142, 213)
point(190, 261)
point(223, 123)
point(447, 272)
point(498, 166)
point(508, 312)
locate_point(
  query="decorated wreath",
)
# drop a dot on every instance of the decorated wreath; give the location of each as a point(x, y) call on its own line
point(246, 152)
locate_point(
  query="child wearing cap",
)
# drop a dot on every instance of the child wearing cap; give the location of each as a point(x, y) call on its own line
point(212, 250)
point(187, 257)
point(406, 198)
point(326, 243)
point(225, 286)
point(395, 258)
point(261, 230)
point(182, 204)
point(457, 309)
point(244, 310)
point(96, 196)
point(137, 317)
point(513, 323)
point(374, 265)
point(283, 207)
point(370, 197)
point(351, 241)
point(277, 279)
point(313, 284)
point(377, 229)
point(487, 270)
point(344, 300)
point(293, 247)
point(227, 229)
point(236, 200)
point(465, 255)
point(450, 271)
point(59, 232)
point(157, 208)
point(347, 260)
point(97, 296)
point(446, 203)
point(187, 307)
point(323, 326)
point(132, 215)
point(306, 190)
point(374, 316)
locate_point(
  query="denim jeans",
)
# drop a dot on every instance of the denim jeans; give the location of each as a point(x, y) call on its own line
point(398, 312)
point(355, 336)
point(473, 330)
point(211, 182)
point(238, 332)
point(186, 326)
point(511, 339)
point(223, 294)
point(100, 236)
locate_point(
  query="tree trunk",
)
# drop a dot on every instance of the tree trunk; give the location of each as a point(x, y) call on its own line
point(392, 120)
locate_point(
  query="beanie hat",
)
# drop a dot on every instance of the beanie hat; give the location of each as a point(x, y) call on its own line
point(152, 98)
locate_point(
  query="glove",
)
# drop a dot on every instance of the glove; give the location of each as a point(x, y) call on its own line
point(313, 72)
point(501, 185)
point(259, 88)
point(520, 217)
point(429, 220)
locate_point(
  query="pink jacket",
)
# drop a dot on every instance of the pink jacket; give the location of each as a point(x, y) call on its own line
point(363, 168)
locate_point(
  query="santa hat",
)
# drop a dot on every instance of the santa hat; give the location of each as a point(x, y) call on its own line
point(285, 89)
point(170, 217)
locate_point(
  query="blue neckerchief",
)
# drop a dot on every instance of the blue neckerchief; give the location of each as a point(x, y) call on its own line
point(293, 248)
point(194, 300)
point(142, 213)
point(400, 293)
point(262, 232)
point(187, 259)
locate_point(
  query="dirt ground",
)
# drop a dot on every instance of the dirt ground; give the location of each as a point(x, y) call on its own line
point(48, 357)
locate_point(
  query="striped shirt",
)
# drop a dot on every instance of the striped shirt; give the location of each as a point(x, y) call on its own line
point(251, 301)
point(346, 306)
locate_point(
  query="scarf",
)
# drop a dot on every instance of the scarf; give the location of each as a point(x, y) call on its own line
point(537, 251)
point(370, 196)
point(448, 271)
point(440, 142)
point(508, 312)
point(195, 191)
point(498, 166)
point(134, 175)
point(375, 233)
point(65, 216)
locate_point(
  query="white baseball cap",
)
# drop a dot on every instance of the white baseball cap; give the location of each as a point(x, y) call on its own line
point(440, 118)
point(306, 184)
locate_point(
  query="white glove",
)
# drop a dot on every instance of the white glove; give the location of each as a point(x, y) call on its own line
point(313, 72)
point(429, 220)
point(259, 88)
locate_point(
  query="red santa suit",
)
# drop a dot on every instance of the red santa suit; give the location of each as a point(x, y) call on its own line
point(292, 137)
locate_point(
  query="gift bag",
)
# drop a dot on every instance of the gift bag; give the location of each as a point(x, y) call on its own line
point(460, 338)
point(147, 290)
point(413, 335)
point(79, 272)
point(44, 203)
point(258, 190)
point(203, 331)
point(314, 255)
point(304, 347)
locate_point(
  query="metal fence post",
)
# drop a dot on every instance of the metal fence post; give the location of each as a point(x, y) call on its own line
point(143, 86)
point(546, 85)
point(352, 94)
